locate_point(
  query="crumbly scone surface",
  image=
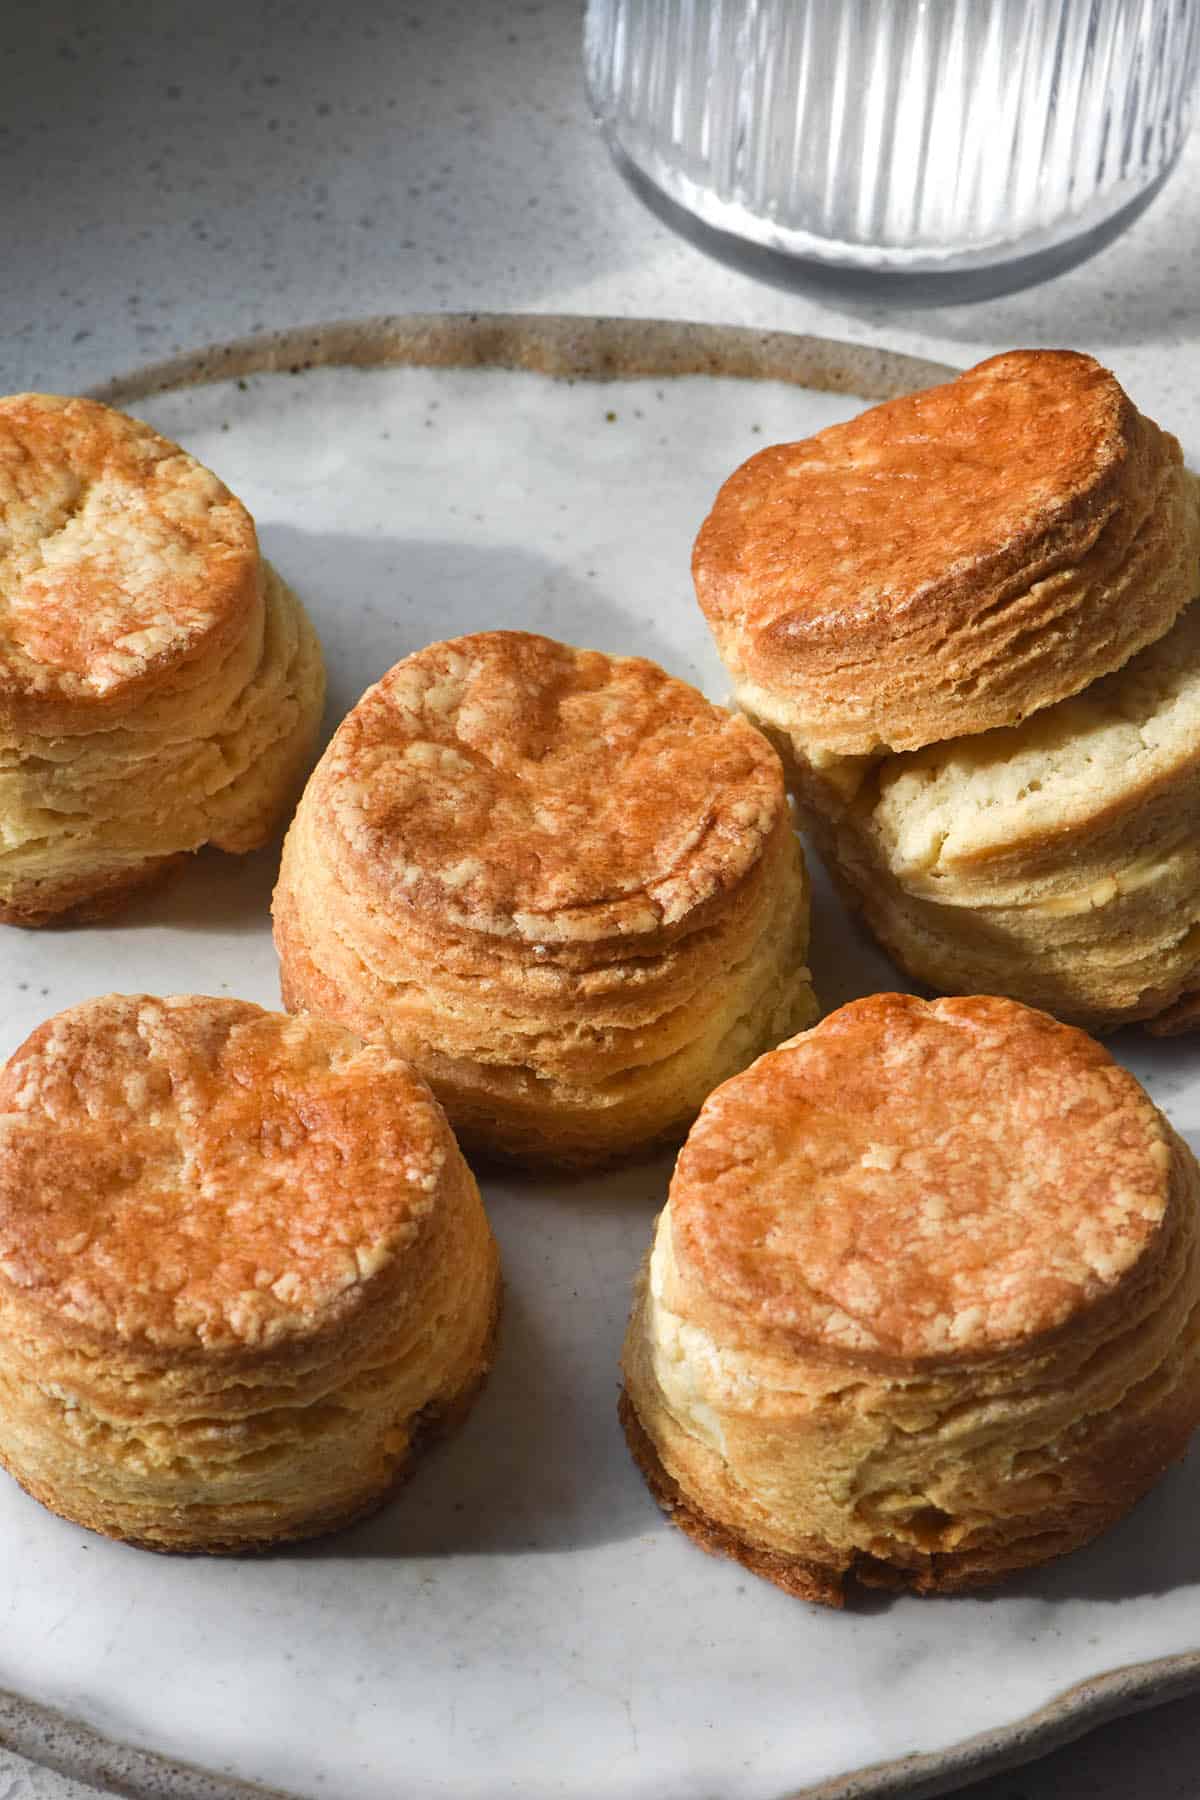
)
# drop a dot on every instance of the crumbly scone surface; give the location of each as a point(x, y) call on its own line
point(520, 787)
point(866, 515)
point(914, 1179)
point(950, 561)
point(194, 1173)
point(120, 556)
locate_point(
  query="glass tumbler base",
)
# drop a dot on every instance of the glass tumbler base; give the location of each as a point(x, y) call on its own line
point(950, 284)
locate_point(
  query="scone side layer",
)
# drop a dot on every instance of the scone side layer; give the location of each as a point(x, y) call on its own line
point(832, 1582)
point(564, 1064)
point(796, 1575)
point(87, 818)
point(217, 1529)
point(1056, 862)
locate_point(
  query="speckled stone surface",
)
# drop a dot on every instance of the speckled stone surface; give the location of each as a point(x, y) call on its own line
point(180, 174)
point(175, 176)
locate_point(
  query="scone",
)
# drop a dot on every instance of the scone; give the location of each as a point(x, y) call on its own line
point(160, 686)
point(923, 1307)
point(1058, 859)
point(563, 885)
point(965, 620)
point(243, 1270)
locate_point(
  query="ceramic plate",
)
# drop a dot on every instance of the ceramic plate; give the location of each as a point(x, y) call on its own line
point(521, 1620)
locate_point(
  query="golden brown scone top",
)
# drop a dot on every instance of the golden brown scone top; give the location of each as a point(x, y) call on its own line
point(914, 1180)
point(121, 558)
point(194, 1173)
point(911, 533)
point(508, 784)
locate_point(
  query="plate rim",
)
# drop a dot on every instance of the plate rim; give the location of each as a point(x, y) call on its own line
point(594, 347)
point(54, 1740)
point(578, 346)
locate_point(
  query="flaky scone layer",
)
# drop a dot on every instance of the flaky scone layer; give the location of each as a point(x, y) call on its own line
point(559, 1065)
point(211, 759)
point(242, 1266)
point(950, 561)
point(881, 1368)
point(1056, 861)
point(629, 927)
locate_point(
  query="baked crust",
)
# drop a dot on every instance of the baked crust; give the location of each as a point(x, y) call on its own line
point(923, 1307)
point(241, 1260)
point(912, 1179)
point(563, 885)
point(124, 560)
point(952, 560)
point(513, 786)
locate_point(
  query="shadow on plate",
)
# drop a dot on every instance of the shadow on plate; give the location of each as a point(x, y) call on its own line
point(374, 601)
point(409, 592)
point(540, 1465)
point(209, 892)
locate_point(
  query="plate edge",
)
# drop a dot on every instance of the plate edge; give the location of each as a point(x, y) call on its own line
point(1071, 1714)
point(576, 346)
point(54, 1740)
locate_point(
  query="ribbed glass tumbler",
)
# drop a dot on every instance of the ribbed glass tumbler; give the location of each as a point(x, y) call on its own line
point(946, 148)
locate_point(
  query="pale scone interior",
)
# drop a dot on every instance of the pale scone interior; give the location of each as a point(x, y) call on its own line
point(1057, 856)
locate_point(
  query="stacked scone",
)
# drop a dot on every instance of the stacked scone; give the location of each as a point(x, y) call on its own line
point(563, 884)
point(160, 686)
point(924, 1304)
point(243, 1270)
point(965, 619)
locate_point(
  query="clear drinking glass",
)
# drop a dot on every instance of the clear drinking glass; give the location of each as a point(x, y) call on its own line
point(947, 148)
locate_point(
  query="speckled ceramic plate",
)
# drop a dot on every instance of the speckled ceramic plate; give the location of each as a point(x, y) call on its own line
point(521, 1620)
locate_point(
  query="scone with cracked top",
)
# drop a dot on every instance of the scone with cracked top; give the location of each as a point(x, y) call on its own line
point(966, 621)
point(243, 1270)
point(923, 1307)
point(563, 884)
point(160, 686)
